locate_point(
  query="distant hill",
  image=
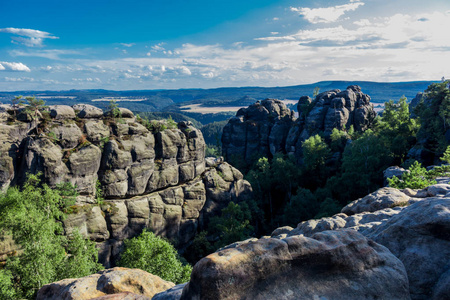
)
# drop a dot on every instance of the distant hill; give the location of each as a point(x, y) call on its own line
point(161, 100)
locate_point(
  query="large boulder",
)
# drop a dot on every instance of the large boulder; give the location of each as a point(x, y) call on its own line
point(107, 282)
point(420, 237)
point(327, 265)
point(62, 112)
point(380, 199)
point(86, 111)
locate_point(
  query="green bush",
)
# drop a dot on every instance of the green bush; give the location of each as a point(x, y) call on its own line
point(417, 178)
point(156, 256)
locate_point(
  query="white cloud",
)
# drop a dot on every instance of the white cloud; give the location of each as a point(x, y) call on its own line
point(158, 47)
point(13, 66)
point(326, 14)
point(128, 45)
point(28, 37)
point(55, 54)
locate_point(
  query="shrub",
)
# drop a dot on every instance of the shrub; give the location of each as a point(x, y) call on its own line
point(417, 178)
point(156, 256)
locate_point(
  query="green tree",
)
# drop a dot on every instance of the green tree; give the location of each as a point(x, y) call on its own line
point(34, 107)
point(114, 111)
point(434, 115)
point(303, 206)
point(32, 216)
point(156, 256)
point(363, 163)
point(397, 129)
point(233, 224)
point(315, 152)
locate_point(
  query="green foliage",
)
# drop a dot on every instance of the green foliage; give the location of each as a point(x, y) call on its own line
point(417, 178)
point(232, 225)
point(199, 248)
point(171, 124)
point(33, 217)
point(7, 290)
point(212, 132)
point(316, 91)
point(397, 129)
point(328, 208)
point(99, 193)
point(446, 155)
point(114, 111)
point(34, 106)
point(434, 115)
point(212, 151)
point(315, 152)
point(156, 256)
point(303, 206)
point(339, 139)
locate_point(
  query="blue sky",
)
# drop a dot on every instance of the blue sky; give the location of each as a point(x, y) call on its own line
point(155, 44)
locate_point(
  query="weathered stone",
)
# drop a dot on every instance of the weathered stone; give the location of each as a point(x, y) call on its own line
point(419, 237)
point(107, 282)
point(87, 111)
point(61, 112)
point(67, 135)
point(328, 265)
point(171, 294)
point(96, 130)
point(380, 199)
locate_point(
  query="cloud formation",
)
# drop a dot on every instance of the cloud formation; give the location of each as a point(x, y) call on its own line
point(13, 66)
point(28, 37)
point(326, 14)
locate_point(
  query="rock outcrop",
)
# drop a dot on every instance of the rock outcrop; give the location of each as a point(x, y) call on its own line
point(259, 130)
point(412, 225)
point(327, 265)
point(268, 127)
point(152, 176)
point(116, 283)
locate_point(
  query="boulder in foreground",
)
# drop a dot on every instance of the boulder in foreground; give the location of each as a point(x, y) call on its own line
point(103, 283)
point(328, 265)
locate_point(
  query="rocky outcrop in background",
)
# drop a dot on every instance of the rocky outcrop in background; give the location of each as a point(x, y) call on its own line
point(156, 179)
point(269, 127)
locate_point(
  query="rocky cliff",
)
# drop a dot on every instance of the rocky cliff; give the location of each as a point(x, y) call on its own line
point(269, 127)
point(391, 244)
point(152, 176)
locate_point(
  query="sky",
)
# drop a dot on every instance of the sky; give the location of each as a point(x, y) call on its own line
point(157, 44)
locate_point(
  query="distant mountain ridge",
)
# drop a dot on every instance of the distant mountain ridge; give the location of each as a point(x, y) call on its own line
point(157, 100)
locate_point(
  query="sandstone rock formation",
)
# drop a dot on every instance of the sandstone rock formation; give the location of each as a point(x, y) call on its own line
point(259, 130)
point(327, 265)
point(268, 127)
point(412, 225)
point(115, 282)
point(155, 179)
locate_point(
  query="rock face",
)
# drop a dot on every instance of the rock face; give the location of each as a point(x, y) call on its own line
point(118, 283)
point(420, 237)
point(266, 128)
point(327, 265)
point(259, 130)
point(390, 237)
point(154, 179)
point(416, 232)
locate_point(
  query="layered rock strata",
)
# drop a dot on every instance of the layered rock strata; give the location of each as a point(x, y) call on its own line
point(152, 176)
